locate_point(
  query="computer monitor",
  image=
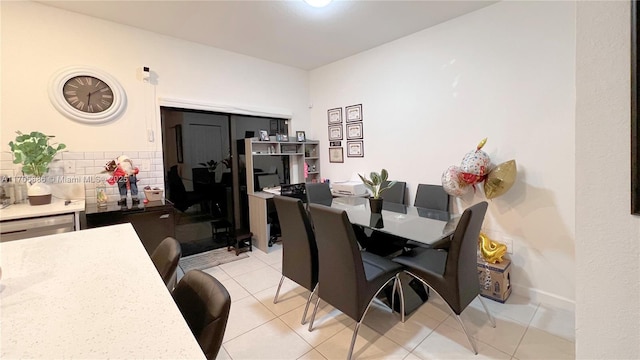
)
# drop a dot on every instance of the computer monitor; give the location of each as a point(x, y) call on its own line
point(268, 181)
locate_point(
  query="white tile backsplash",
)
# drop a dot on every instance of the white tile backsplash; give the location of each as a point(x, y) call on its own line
point(85, 169)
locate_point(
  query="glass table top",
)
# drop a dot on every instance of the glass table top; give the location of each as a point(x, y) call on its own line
point(418, 224)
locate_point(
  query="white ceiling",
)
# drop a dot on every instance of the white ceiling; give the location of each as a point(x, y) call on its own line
point(286, 32)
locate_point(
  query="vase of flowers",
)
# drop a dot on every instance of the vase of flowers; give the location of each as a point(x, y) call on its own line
point(375, 185)
point(35, 153)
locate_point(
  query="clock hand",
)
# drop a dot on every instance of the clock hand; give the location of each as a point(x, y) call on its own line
point(93, 92)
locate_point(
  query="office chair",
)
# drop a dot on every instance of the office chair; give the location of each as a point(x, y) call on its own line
point(166, 257)
point(349, 279)
point(204, 303)
point(299, 248)
point(453, 273)
point(395, 194)
point(319, 193)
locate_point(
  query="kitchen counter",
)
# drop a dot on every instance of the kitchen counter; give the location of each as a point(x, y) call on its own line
point(90, 294)
point(57, 206)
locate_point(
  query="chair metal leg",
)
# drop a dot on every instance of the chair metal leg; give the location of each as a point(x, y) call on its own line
point(393, 296)
point(401, 297)
point(355, 331)
point(304, 315)
point(486, 309)
point(315, 310)
point(275, 299)
point(353, 337)
point(473, 344)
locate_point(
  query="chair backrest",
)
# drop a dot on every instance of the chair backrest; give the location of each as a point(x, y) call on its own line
point(395, 194)
point(341, 275)
point(166, 257)
point(176, 186)
point(299, 248)
point(204, 303)
point(319, 193)
point(431, 197)
point(461, 267)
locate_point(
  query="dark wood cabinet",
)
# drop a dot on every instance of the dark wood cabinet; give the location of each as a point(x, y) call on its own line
point(153, 221)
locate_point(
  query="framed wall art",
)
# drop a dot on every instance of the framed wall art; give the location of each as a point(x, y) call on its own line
point(354, 131)
point(336, 155)
point(355, 148)
point(335, 132)
point(353, 113)
point(334, 116)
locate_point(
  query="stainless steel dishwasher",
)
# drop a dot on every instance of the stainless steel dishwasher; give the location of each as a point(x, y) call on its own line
point(37, 226)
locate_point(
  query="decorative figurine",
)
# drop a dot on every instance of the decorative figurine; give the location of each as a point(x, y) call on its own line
point(124, 173)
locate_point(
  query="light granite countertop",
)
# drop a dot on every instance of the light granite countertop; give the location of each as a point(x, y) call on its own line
point(24, 210)
point(90, 294)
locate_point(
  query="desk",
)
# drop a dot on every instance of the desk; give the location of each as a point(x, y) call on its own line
point(258, 219)
point(408, 222)
point(86, 295)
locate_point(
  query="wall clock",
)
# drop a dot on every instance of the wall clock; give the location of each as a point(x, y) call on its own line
point(87, 94)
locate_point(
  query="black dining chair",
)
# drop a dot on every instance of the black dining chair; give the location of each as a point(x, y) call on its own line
point(166, 257)
point(319, 193)
point(396, 193)
point(205, 304)
point(452, 274)
point(349, 279)
point(432, 197)
point(299, 249)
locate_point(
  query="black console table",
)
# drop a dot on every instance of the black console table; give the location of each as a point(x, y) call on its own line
point(153, 221)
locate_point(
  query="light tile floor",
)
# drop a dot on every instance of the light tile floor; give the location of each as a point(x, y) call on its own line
point(260, 329)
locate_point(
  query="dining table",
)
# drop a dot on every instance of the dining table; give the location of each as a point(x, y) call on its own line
point(402, 227)
point(89, 294)
point(421, 226)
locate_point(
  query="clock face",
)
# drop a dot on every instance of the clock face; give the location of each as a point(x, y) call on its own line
point(88, 94)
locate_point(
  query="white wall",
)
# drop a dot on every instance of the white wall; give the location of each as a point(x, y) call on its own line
point(608, 247)
point(505, 72)
point(38, 40)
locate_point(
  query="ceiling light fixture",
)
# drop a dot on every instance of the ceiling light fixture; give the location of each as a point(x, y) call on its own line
point(318, 3)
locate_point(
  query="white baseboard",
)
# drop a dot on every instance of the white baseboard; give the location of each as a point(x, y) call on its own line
point(543, 297)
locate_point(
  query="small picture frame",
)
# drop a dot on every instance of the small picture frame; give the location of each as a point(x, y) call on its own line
point(334, 116)
point(335, 143)
point(335, 132)
point(353, 113)
point(284, 137)
point(300, 136)
point(264, 135)
point(354, 131)
point(336, 155)
point(355, 148)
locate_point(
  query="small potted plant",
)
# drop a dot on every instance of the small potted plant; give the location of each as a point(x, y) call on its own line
point(35, 154)
point(375, 185)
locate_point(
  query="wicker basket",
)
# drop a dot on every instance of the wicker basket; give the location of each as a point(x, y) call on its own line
point(153, 195)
